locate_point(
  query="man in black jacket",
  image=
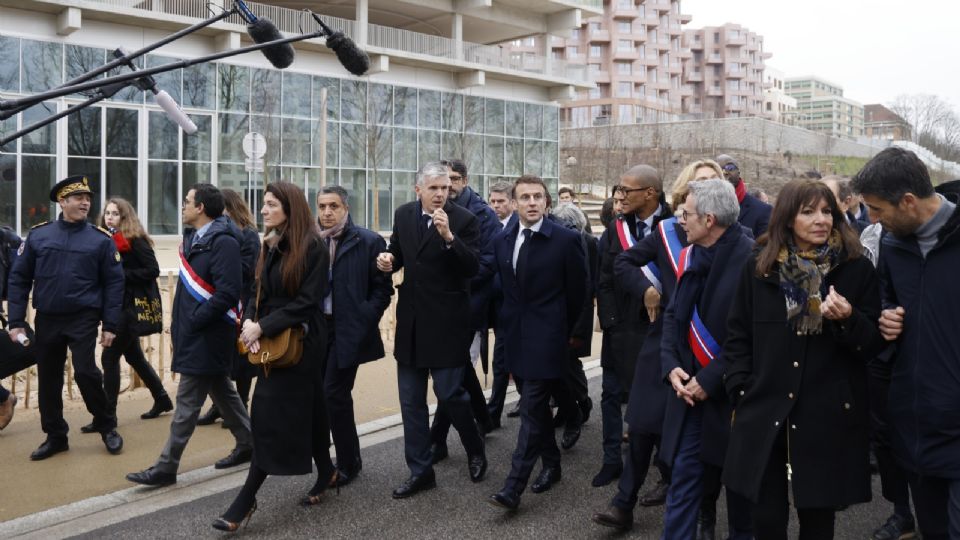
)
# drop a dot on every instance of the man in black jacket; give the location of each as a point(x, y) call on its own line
point(436, 243)
point(204, 333)
point(77, 281)
point(359, 294)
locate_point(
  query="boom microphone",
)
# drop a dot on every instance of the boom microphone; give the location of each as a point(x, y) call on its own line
point(164, 100)
point(350, 56)
point(262, 30)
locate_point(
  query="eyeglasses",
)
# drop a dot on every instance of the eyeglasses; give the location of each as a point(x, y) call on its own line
point(730, 167)
point(684, 215)
point(627, 191)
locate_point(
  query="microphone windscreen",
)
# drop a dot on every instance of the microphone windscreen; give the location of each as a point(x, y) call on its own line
point(264, 31)
point(351, 57)
point(174, 113)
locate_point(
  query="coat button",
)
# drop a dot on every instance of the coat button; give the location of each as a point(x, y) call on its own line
point(790, 395)
point(741, 392)
point(846, 405)
point(776, 423)
point(858, 347)
point(796, 364)
point(793, 426)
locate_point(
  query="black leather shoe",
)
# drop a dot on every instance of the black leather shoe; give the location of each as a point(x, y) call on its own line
point(49, 448)
point(113, 441)
point(547, 478)
point(570, 437)
point(209, 417)
point(515, 411)
point(585, 407)
point(415, 484)
point(438, 453)
point(160, 406)
point(89, 428)
point(705, 530)
point(608, 473)
point(478, 467)
point(657, 496)
point(615, 517)
point(236, 457)
point(506, 499)
point(152, 477)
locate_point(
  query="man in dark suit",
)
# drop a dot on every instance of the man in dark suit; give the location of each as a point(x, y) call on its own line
point(754, 213)
point(501, 201)
point(543, 271)
point(437, 244)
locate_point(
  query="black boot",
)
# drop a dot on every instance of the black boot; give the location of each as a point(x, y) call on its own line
point(209, 417)
point(161, 405)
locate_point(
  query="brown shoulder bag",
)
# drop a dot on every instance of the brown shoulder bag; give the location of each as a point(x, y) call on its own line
point(280, 351)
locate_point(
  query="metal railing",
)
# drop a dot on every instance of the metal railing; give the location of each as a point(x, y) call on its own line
point(295, 21)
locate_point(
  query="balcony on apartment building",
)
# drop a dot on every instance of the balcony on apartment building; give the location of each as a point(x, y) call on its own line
point(734, 71)
point(651, 16)
point(736, 38)
point(714, 59)
point(592, 7)
point(714, 91)
point(626, 54)
point(685, 18)
point(399, 45)
point(695, 45)
point(625, 10)
point(674, 28)
point(600, 77)
point(694, 76)
point(659, 5)
point(675, 66)
point(686, 90)
point(599, 36)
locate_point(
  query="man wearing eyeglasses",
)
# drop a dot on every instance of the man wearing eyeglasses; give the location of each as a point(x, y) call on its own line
point(754, 213)
point(623, 317)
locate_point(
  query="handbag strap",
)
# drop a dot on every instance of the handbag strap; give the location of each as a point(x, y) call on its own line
point(256, 309)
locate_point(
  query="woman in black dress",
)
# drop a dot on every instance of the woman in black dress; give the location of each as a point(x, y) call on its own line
point(140, 271)
point(288, 415)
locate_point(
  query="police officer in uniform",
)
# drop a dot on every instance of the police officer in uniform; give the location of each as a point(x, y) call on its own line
point(77, 279)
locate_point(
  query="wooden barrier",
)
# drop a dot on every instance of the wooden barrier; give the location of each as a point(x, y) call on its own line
point(158, 349)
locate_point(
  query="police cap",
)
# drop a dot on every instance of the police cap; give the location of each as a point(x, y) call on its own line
point(72, 185)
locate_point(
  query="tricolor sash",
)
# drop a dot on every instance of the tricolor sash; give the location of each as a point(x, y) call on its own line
point(671, 242)
point(627, 241)
point(704, 347)
point(200, 290)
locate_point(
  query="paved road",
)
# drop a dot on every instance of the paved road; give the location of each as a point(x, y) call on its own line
point(455, 509)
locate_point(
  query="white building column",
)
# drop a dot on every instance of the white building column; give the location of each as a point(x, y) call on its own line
point(362, 19)
point(456, 34)
point(547, 55)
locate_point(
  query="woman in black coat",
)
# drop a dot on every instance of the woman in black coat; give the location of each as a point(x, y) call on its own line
point(140, 272)
point(802, 327)
point(288, 416)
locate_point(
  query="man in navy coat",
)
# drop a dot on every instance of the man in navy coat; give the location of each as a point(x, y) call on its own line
point(543, 271)
point(754, 213)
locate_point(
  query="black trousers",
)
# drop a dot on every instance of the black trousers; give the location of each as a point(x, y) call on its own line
point(127, 345)
point(893, 479)
point(337, 388)
point(501, 380)
point(771, 514)
point(937, 502)
point(572, 391)
point(55, 333)
point(635, 469)
point(478, 405)
point(536, 439)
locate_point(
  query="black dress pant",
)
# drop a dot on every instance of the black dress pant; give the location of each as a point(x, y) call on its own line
point(478, 405)
point(127, 345)
point(771, 514)
point(55, 333)
point(338, 387)
point(537, 439)
point(501, 381)
point(893, 479)
point(642, 449)
point(572, 391)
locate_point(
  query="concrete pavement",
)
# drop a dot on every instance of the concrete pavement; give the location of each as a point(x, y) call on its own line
point(455, 509)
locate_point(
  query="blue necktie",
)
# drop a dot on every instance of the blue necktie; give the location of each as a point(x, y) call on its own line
point(522, 254)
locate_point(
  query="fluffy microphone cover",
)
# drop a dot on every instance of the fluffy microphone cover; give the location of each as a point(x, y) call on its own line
point(263, 31)
point(352, 58)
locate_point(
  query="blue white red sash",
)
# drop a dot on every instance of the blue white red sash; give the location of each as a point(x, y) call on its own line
point(627, 241)
point(705, 348)
point(200, 290)
point(671, 242)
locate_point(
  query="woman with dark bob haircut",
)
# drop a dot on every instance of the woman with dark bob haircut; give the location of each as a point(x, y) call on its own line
point(288, 417)
point(802, 327)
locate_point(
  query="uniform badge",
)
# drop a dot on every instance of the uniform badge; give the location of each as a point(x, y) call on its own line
point(116, 255)
point(20, 249)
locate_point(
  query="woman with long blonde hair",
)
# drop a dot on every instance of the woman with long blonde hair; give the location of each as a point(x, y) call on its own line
point(140, 272)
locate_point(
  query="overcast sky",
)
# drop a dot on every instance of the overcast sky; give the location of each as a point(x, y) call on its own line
point(874, 49)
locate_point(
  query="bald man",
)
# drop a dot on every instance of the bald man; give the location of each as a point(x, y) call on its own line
point(623, 318)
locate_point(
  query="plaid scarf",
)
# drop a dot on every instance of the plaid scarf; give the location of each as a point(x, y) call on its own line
point(802, 281)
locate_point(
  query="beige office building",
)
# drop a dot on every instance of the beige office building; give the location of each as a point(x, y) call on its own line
point(724, 74)
point(633, 52)
point(821, 107)
point(777, 105)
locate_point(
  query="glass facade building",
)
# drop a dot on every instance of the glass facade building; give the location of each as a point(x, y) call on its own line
point(376, 136)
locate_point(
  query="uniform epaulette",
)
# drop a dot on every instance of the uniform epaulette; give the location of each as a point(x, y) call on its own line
point(40, 224)
point(104, 231)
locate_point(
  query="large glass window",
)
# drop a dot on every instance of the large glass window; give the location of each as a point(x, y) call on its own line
point(9, 65)
point(234, 88)
point(296, 94)
point(199, 86)
point(42, 65)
